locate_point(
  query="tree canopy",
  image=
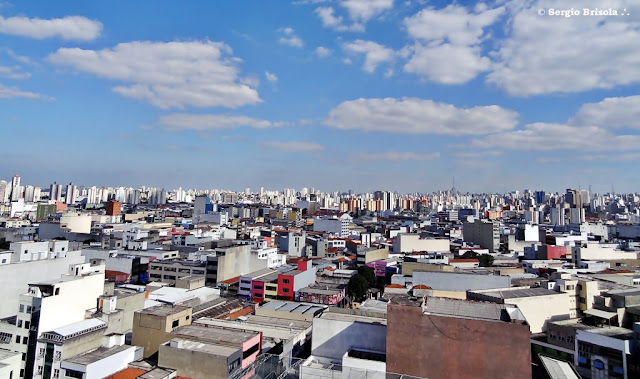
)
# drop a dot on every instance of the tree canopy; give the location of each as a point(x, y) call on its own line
point(357, 287)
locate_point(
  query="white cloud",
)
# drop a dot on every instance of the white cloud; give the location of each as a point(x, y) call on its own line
point(13, 72)
point(75, 28)
point(359, 12)
point(418, 116)
point(18, 57)
point(290, 38)
point(293, 146)
point(167, 74)
point(375, 54)
point(322, 52)
point(13, 92)
point(209, 122)
point(271, 76)
point(397, 156)
point(547, 54)
point(447, 43)
point(547, 136)
point(612, 112)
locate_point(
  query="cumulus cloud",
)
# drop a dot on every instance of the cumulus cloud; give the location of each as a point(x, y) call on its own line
point(397, 156)
point(549, 54)
point(167, 74)
point(14, 92)
point(13, 72)
point(374, 53)
point(612, 112)
point(271, 76)
point(76, 28)
point(209, 122)
point(548, 136)
point(293, 146)
point(592, 129)
point(289, 38)
point(418, 116)
point(358, 11)
point(447, 43)
point(322, 52)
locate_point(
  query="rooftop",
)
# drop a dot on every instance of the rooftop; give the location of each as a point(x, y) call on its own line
point(97, 355)
point(508, 293)
point(213, 335)
point(353, 318)
point(207, 348)
point(163, 310)
point(464, 308)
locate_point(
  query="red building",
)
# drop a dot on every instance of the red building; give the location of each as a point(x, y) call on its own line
point(114, 208)
point(292, 281)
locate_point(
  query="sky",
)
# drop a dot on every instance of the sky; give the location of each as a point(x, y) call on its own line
point(335, 95)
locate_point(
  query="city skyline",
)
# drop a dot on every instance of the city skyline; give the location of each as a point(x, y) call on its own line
point(351, 94)
point(309, 189)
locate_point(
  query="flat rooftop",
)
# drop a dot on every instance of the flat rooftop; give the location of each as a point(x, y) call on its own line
point(207, 348)
point(213, 335)
point(464, 308)
point(97, 355)
point(507, 293)
point(353, 318)
point(612, 331)
point(293, 307)
point(163, 310)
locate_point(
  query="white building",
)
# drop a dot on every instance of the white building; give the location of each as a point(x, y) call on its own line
point(338, 226)
point(52, 304)
point(411, 242)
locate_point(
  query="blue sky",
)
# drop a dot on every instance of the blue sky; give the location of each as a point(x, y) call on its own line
point(336, 95)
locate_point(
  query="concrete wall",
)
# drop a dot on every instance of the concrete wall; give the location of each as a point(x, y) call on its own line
point(407, 243)
point(409, 267)
point(76, 296)
point(195, 364)
point(437, 347)
point(129, 305)
point(14, 278)
point(333, 338)
point(150, 331)
point(459, 282)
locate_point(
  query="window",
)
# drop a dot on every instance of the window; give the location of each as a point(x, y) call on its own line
point(4, 260)
point(56, 373)
point(17, 339)
point(21, 308)
point(58, 291)
point(27, 324)
point(19, 323)
point(39, 370)
point(175, 323)
point(24, 356)
point(186, 318)
point(74, 374)
point(285, 281)
point(25, 340)
point(285, 290)
point(22, 373)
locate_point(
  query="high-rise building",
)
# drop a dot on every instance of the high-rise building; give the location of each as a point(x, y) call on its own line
point(15, 181)
point(70, 196)
point(5, 191)
point(114, 208)
point(55, 192)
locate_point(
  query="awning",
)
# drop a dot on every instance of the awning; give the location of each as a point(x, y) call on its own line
point(601, 314)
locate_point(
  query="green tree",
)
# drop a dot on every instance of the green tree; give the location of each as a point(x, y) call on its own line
point(357, 287)
point(486, 260)
point(368, 273)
